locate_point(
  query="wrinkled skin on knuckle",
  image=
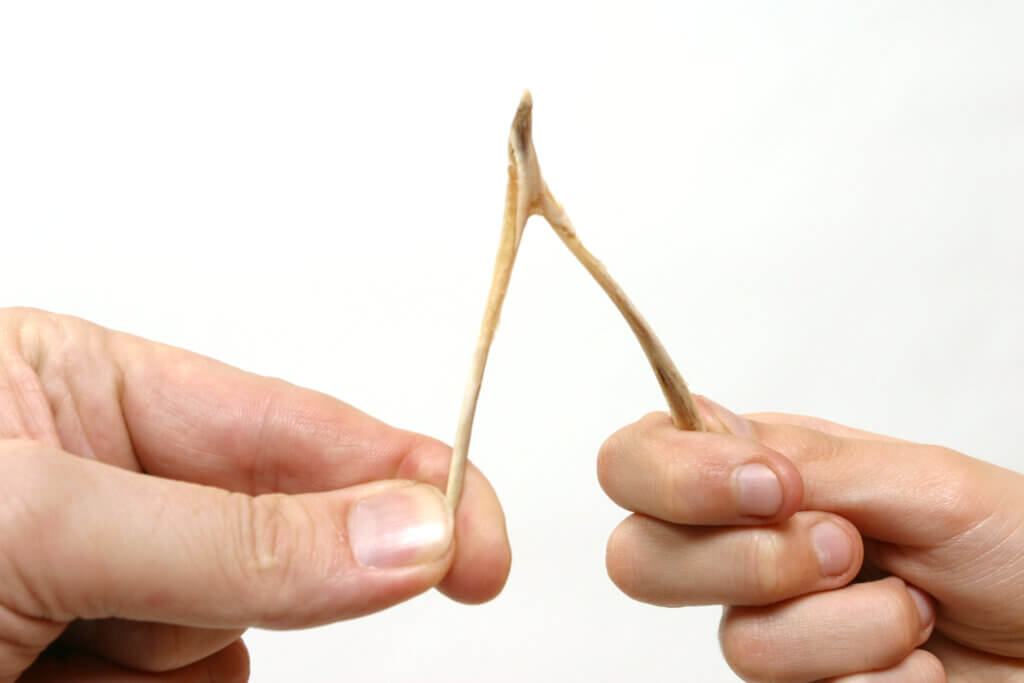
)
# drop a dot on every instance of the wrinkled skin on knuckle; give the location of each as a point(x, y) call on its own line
point(51, 344)
point(275, 536)
point(28, 513)
point(62, 381)
point(15, 325)
point(764, 562)
point(39, 336)
point(818, 447)
point(803, 446)
point(32, 614)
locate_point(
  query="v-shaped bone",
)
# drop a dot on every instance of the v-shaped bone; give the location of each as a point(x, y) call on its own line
point(526, 195)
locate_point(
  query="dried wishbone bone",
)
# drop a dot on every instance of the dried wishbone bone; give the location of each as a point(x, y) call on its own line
point(526, 195)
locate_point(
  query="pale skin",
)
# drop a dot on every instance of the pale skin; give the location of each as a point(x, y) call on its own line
point(155, 503)
point(917, 575)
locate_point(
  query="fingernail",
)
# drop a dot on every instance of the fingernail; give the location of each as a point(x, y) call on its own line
point(759, 492)
point(925, 610)
point(400, 528)
point(719, 419)
point(833, 548)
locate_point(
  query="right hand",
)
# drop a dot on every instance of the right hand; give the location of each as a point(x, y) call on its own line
point(840, 554)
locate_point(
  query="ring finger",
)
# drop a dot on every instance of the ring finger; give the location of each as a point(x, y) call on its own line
point(863, 627)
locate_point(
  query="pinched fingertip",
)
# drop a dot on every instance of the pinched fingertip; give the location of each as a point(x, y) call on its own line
point(720, 420)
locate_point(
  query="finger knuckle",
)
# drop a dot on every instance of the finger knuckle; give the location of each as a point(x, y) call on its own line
point(621, 561)
point(924, 666)
point(955, 502)
point(800, 443)
point(821, 447)
point(610, 455)
point(630, 438)
point(30, 509)
point(39, 334)
point(746, 646)
point(764, 564)
point(273, 534)
point(897, 609)
point(626, 460)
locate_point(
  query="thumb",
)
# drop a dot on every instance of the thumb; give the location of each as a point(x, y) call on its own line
point(95, 541)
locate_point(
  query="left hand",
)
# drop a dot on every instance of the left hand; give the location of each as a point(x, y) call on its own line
point(154, 503)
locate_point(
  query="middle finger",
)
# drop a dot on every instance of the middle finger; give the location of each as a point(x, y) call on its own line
point(665, 564)
point(864, 627)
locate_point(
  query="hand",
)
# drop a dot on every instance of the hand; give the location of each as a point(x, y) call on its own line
point(155, 503)
point(775, 516)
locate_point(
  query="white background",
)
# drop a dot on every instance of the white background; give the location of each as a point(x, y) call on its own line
point(817, 205)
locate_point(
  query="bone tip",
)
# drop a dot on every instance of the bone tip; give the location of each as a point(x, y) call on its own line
point(523, 121)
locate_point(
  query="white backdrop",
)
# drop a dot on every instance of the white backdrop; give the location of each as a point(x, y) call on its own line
point(818, 206)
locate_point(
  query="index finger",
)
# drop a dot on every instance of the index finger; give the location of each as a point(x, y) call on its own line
point(696, 478)
point(191, 417)
point(196, 419)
